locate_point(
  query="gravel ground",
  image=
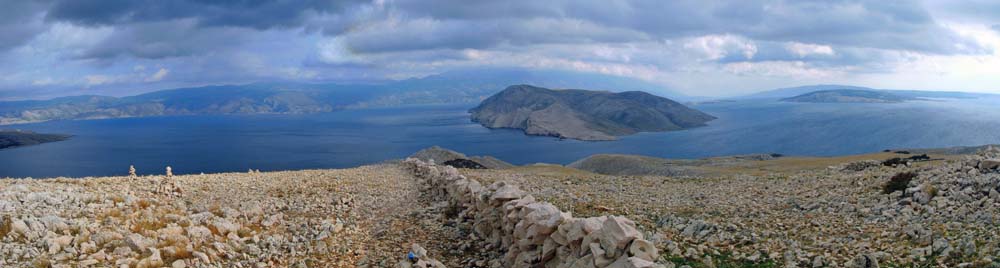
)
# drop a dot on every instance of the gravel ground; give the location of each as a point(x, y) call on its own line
point(315, 218)
point(947, 215)
point(831, 217)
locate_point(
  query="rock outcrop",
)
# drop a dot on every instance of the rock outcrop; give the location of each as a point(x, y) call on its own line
point(439, 155)
point(532, 233)
point(582, 114)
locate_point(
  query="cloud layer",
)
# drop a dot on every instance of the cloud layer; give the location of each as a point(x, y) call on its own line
point(59, 47)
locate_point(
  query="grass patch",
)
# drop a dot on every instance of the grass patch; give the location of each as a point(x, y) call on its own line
point(722, 261)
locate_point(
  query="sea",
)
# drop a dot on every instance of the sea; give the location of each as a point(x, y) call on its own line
point(349, 138)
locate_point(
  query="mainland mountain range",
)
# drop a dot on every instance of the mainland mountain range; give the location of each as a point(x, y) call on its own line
point(466, 87)
point(448, 88)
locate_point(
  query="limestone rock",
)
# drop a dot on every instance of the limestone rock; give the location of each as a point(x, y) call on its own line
point(137, 242)
point(617, 233)
point(643, 249)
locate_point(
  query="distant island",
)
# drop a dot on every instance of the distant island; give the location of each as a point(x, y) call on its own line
point(849, 96)
point(583, 114)
point(17, 138)
point(922, 94)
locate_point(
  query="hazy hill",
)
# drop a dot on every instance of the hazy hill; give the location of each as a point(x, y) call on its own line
point(849, 96)
point(781, 93)
point(795, 91)
point(584, 114)
point(470, 86)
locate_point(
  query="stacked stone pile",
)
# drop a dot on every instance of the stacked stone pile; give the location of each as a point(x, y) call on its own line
point(530, 233)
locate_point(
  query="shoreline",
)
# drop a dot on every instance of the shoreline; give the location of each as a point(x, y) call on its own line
point(882, 155)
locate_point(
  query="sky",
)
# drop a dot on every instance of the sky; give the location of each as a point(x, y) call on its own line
point(52, 48)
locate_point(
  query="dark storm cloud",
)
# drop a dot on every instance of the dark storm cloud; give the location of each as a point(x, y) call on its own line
point(157, 40)
point(51, 43)
point(237, 13)
point(424, 34)
point(405, 25)
point(903, 25)
point(19, 23)
point(155, 29)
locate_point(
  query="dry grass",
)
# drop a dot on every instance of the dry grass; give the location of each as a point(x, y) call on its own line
point(799, 164)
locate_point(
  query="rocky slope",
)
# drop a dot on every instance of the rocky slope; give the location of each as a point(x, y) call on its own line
point(839, 216)
point(436, 154)
point(582, 114)
point(849, 96)
point(317, 218)
point(844, 213)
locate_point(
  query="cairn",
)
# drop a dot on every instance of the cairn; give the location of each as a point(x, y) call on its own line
point(167, 186)
point(131, 171)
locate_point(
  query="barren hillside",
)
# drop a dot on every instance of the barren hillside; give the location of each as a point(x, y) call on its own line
point(819, 212)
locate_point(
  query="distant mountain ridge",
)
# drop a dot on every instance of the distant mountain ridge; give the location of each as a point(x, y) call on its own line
point(470, 86)
point(583, 114)
point(781, 93)
point(849, 96)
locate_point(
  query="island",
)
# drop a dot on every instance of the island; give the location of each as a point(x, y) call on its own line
point(17, 138)
point(584, 114)
point(849, 96)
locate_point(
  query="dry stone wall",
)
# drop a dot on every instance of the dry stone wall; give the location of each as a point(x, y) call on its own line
point(530, 233)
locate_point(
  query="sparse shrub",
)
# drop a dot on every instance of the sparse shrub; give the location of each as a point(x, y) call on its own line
point(904, 161)
point(42, 262)
point(5, 225)
point(891, 162)
point(932, 191)
point(464, 163)
point(899, 182)
point(143, 204)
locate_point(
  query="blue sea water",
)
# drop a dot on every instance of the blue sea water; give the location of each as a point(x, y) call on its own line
point(194, 144)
